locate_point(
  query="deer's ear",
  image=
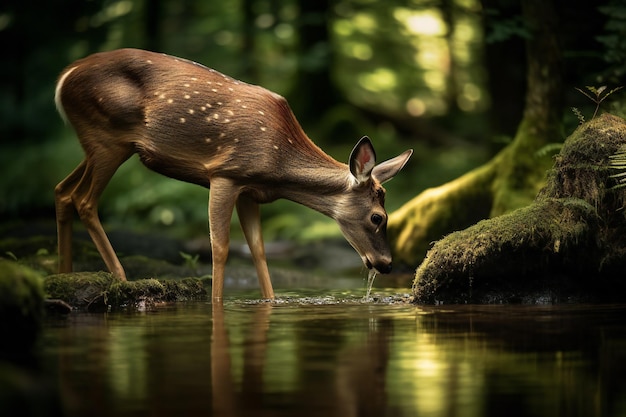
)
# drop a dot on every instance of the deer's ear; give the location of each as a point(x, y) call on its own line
point(362, 160)
point(387, 170)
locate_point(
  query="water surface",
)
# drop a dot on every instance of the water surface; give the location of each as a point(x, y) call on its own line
point(330, 353)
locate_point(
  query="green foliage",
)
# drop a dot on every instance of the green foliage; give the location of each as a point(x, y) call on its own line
point(501, 28)
point(614, 37)
point(11, 255)
point(548, 149)
point(191, 261)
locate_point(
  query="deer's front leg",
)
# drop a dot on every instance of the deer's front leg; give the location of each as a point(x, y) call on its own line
point(250, 219)
point(222, 199)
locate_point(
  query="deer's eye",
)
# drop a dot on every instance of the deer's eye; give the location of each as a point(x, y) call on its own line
point(377, 219)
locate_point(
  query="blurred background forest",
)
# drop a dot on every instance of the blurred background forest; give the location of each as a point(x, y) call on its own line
point(445, 77)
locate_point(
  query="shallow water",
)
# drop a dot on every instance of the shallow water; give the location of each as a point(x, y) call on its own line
point(332, 353)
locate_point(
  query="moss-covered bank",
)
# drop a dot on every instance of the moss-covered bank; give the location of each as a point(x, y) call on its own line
point(21, 306)
point(100, 291)
point(569, 244)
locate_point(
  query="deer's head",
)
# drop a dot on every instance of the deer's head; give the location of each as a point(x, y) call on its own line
point(362, 216)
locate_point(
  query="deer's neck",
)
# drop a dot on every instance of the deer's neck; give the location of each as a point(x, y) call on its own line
point(319, 191)
point(317, 181)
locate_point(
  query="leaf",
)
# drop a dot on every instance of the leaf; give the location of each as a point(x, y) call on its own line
point(590, 97)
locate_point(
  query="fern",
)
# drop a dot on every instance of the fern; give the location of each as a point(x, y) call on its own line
point(596, 95)
point(548, 149)
point(579, 115)
point(618, 162)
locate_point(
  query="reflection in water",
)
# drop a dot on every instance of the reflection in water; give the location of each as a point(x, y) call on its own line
point(350, 377)
point(341, 359)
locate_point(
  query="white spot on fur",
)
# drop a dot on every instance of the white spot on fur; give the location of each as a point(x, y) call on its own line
point(194, 79)
point(207, 140)
point(169, 100)
point(263, 128)
point(203, 108)
point(182, 120)
point(214, 90)
point(148, 61)
point(162, 96)
point(261, 113)
point(187, 85)
point(275, 147)
point(216, 116)
point(230, 112)
point(226, 120)
point(222, 135)
point(236, 140)
point(191, 111)
point(290, 140)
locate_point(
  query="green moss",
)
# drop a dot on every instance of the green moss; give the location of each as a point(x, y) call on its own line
point(583, 168)
point(101, 291)
point(510, 180)
point(21, 305)
point(571, 242)
point(513, 254)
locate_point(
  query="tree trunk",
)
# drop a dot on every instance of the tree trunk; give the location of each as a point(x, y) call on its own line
point(515, 175)
point(314, 91)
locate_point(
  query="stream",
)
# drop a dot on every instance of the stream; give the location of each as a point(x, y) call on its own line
point(332, 352)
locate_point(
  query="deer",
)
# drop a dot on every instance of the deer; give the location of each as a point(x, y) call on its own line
point(241, 141)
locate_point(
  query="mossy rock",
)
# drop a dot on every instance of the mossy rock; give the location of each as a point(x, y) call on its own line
point(570, 244)
point(101, 291)
point(523, 256)
point(21, 306)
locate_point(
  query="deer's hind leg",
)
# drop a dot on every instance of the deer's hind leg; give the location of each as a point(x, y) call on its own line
point(95, 172)
point(64, 208)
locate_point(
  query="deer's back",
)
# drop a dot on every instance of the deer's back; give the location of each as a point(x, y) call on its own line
point(176, 112)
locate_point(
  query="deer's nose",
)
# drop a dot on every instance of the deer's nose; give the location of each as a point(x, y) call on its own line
point(383, 267)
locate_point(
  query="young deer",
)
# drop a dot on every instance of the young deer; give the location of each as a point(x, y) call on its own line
point(192, 123)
